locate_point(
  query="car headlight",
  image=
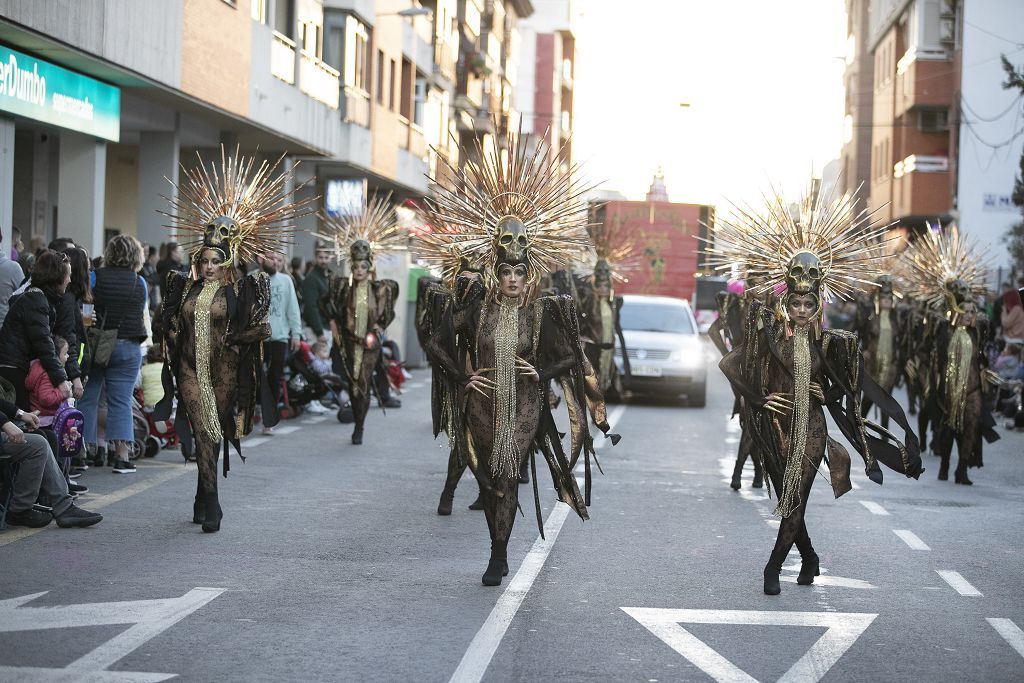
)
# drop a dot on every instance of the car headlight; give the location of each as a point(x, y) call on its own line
point(690, 358)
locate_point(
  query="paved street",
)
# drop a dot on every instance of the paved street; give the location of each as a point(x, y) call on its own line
point(332, 565)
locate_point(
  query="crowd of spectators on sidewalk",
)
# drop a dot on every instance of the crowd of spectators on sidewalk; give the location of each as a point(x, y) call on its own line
point(80, 358)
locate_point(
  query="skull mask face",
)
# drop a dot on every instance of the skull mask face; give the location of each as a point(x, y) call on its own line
point(220, 232)
point(958, 292)
point(360, 251)
point(885, 286)
point(513, 242)
point(804, 273)
point(602, 274)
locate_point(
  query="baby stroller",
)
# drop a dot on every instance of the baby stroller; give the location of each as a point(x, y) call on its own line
point(304, 385)
point(160, 434)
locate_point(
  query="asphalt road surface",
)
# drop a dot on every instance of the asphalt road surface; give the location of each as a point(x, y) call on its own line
point(331, 564)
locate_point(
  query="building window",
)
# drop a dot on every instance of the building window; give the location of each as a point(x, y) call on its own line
point(405, 92)
point(391, 85)
point(284, 17)
point(259, 10)
point(380, 77)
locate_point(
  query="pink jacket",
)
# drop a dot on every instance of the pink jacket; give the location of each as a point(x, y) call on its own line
point(42, 395)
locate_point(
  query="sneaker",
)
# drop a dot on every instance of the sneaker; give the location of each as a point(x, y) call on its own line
point(77, 517)
point(268, 431)
point(77, 488)
point(316, 408)
point(30, 518)
point(124, 467)
point(75, 474)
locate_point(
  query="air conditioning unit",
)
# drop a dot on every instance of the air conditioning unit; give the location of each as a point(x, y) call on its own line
point(947, 30)
point(933, 120)
point(947, 8)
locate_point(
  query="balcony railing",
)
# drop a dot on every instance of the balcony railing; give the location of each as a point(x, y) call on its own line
point(282, 58)
point(357, 106)
point(444, 60)
point(319, 80)
point(919, 163)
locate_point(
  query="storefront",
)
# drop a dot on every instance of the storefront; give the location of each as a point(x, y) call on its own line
point(54, 128)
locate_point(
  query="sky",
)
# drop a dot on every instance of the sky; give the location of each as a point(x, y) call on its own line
point(763, 80)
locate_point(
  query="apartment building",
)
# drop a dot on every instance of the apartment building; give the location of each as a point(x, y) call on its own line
point(929, 128)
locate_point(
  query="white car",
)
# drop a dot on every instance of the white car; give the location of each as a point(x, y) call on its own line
point(666, 355)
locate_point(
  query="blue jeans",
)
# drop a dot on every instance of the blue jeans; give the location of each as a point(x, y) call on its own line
point(119, 377)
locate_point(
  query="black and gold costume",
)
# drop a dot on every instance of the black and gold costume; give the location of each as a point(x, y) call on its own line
point(879, 327)
point(601, 331)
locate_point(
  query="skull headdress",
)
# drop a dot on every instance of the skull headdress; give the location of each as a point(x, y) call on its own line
point(944, 268)
point(512, 202)
point(821, 246)
point(239, 209)
point(364, 236)
point(612, 256)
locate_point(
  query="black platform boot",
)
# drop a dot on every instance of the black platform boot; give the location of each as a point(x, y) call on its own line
point(944, 470)
point(199, 506)
point(444, 508)
point(737, 476)
point(772, 570)
point(477, 504)
point(960, 477)
point(809, 568)
point(497, 567)
point(213, 515)
point(357, 435)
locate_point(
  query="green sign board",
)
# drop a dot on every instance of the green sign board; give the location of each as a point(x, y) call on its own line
point(45, 92)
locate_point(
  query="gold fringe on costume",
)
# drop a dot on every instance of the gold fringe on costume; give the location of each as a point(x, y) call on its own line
point(789, 497)
point(958, 370)
point(362, 295)
point(505, 455)
point(208, 418)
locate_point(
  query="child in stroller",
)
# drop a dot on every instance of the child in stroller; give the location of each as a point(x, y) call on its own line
point(312, 380)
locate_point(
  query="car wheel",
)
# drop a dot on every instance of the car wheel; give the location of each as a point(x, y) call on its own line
point(698, 397)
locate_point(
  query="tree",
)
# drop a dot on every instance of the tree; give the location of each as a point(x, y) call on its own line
point(1014, 237)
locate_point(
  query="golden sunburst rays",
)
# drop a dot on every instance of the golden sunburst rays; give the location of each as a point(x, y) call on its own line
point(439, 248)
point(760, 243)
point(507, 177)
point(257, 197)
point(938, 257)
point(613, 244)
point(377, 224)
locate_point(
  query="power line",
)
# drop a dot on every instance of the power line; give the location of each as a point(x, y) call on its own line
point(994, 35)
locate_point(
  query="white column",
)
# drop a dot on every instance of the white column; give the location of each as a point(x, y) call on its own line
point(6, 181)
point(158, 164)
point(82, 184)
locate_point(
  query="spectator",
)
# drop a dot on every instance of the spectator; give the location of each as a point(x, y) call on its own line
point(997, 310)
point(1008, 362)
point(16, 244)
point(149, 274)
point(27, 261)
point(315, 286)
point(37, 245)
point(152, 380)
point(11, 277)
point(43, 397)
point(285, 328)
point(62, 243)
point(38, 476)
point(172, 262)
point(298, 270)
point(1012, 317)
point(28, 329)
point(120, 295)
point(76, 297)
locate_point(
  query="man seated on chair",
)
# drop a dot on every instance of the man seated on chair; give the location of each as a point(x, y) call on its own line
point(38, 476)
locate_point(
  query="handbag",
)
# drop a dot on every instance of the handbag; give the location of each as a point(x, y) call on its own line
point(102, 340)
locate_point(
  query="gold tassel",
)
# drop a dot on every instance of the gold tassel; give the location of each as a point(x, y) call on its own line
point(208, 418)
point(789, 498)
point(607, 332)
point(505, 453)
point(883, 355)
point(362, 314)
point(958, 370)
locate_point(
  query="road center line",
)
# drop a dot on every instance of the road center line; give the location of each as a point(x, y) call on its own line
point(911, 539)
point(483, 646)
point(1010, 632)
point(959, 583)
point(874, 508)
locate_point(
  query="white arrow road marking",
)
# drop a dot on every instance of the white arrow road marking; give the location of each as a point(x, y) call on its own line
point(958, 583)
point(282, 431)
point(28, 674)
point(1010, 632)
point(483, 646)
point(317, 419)
point(149, 618)
point(911, 539)
point(843, 629)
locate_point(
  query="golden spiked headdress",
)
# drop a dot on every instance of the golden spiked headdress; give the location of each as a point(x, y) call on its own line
point(240, 209)
point(361, 237)
point(612, 256)
point(513, 203)
point(824, 247)
point(943, 267)
point(441, 249)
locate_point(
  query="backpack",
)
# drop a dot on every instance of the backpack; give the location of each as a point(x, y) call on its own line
point(68, 423)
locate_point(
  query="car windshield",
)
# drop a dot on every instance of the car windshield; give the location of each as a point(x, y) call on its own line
point(648, 316)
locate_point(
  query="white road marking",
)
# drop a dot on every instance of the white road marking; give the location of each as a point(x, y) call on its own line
point(958, 583)
point(314, 420)
point(1010, 632)
point(483, 646)
point(911, 539)
point(837, 581)
point(149, 618)
point(100, 502)
point(843, 629)
point(283, 431)
point(256, 441)
point(874, 508)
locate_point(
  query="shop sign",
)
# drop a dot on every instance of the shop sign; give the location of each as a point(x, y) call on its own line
point(45, 92)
